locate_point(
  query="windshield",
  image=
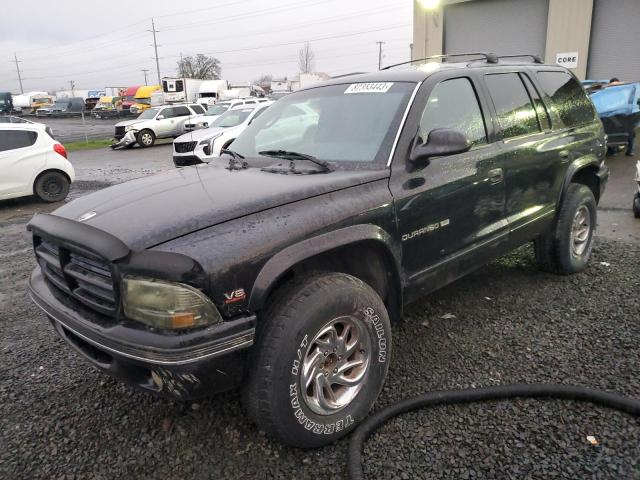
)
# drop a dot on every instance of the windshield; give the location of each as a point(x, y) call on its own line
point(148, 114)
point(61, 103)
point(217, 109)
point(144, 101)
point(232, 118)
point(336, 123)
point(41, 100)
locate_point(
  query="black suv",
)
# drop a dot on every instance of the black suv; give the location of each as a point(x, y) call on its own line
point(279, 266)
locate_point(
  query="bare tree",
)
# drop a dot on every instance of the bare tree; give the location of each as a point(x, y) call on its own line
point(201, 66)
point(306, 59)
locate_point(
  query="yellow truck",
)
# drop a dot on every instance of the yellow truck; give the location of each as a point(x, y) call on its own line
point(142, 99)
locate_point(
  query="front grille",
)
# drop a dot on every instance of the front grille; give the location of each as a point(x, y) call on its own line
point(119, 132)
point(87, 279)
point(184, 147)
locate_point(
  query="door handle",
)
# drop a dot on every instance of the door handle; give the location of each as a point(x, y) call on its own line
point(495, 175)
point(564, 155)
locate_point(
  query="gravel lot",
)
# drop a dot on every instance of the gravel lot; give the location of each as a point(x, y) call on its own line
point(60, 418)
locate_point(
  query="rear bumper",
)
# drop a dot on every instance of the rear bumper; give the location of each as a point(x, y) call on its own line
point(157, 363)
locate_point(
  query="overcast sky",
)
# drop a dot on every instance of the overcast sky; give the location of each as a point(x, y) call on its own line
point(103, 44)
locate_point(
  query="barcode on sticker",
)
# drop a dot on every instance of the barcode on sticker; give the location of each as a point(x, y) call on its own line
point(375, 87)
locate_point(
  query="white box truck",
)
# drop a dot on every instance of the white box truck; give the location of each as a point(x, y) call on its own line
point(210, 91)
point(181, 90)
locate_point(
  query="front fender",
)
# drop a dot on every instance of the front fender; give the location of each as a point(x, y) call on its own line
point(284, 260)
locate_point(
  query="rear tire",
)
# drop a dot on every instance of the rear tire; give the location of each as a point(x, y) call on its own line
point(567, 248)
point(146, 138)
point(51, 187)
point(320, 360)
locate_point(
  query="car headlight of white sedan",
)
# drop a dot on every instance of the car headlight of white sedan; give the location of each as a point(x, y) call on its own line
point(208, 143)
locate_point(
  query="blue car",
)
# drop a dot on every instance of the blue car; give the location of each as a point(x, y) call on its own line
point(619, 109)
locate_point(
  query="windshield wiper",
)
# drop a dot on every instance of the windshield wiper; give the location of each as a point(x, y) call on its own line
point(289, 155)
point(236, 162)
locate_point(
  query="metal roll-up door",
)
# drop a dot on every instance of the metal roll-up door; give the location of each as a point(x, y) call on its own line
point(614, 47)
point(499, 26)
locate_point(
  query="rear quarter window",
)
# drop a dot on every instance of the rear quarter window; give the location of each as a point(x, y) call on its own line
point(14, 139)
point(197, 108)
point(567, 98)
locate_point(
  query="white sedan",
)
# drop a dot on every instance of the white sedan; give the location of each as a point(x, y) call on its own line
point(204, 145)
point(33, 162)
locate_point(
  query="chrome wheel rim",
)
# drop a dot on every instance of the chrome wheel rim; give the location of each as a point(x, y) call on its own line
point(580, 231)
point(146, 139)
point(335, 366)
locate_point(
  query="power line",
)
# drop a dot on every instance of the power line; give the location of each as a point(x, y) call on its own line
point(15, 58)
point(380, 54)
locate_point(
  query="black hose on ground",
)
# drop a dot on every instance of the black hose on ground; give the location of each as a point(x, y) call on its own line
point(504, 392)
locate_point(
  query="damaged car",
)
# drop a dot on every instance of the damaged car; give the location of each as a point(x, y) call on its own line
point(158, 122)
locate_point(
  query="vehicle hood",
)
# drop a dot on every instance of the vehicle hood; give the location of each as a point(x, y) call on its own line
point(198, 135)
point(155, 209)
point(126, 123)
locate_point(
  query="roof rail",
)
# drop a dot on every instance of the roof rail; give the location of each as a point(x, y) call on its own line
point(489, 57)
point(536, 58)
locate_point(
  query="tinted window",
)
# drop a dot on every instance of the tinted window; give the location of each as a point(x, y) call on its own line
point(250, 102)
point(515, 111)
point(197, 108)
point(168, 113)
point(567, 98)
point(12, 139)
point(181, 112)
point(543, 116)
point(453, 104)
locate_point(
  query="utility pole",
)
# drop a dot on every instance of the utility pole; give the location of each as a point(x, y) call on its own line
point(15, 58)
point(145, 71)
point(72, 84)
point(380, 54)
point(155, 47)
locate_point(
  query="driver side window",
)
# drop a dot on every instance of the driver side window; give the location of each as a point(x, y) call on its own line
point(453, 104)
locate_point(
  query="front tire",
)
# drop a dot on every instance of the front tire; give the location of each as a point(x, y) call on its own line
point(320, 361)
point(567, 248)
point(51, 187)
point(146, 138)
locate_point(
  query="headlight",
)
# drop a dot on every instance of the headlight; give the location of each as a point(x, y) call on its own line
point(209, 140)
point(129, 128)
point(167, 305)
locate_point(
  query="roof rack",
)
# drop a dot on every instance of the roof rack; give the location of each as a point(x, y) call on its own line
point(489, 57)
point(536, 58)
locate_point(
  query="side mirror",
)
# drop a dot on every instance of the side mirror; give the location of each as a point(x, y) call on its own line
point(441, 141)
point(160, 117)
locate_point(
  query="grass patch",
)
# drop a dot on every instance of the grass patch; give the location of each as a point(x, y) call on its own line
point(82, 145)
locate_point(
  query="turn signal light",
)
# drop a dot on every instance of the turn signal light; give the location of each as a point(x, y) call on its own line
point(60, 150)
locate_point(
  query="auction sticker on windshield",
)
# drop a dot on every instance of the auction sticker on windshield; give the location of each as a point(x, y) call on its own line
point(376, 87)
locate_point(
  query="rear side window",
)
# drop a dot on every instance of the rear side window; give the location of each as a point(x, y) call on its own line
point(543, 116)
point(568, 100)
point(516, 115)
point(453, 104)
point(181, 112)
point(13, 139)
point(197, 108)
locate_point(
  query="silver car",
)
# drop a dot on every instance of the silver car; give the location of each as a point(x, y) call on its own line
point(167, 121)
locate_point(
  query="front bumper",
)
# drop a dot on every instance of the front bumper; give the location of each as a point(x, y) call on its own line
point(603, 176)
point(128, 139)
point(185, 365)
